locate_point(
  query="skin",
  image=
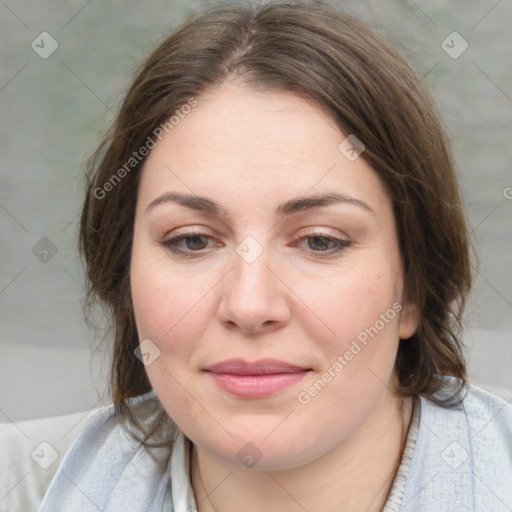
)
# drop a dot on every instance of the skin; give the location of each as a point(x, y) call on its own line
point(249, 151)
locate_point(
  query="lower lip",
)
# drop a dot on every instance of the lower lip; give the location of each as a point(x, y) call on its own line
point(256, 386)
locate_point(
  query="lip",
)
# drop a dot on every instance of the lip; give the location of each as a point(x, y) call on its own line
point(256, 379)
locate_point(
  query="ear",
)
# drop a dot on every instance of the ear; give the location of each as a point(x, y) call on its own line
point(409, 320)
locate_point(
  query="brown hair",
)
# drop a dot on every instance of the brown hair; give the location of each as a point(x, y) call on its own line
point(370, 91)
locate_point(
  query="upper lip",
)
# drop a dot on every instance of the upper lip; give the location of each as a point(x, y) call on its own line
point(261, 367)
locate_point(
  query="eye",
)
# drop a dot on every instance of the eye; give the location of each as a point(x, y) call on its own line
point(195, 244)
point(188, 243)
point(321, 243)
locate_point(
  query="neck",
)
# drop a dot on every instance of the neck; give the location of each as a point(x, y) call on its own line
point(356, 475)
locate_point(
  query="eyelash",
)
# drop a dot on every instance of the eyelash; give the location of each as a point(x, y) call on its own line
point(172, 244)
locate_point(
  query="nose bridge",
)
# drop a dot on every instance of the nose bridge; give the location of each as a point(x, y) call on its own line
point(252, 297)
point(251, 277)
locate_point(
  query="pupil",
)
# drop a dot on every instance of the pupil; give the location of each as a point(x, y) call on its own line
point(196, 239)
point(320, 242)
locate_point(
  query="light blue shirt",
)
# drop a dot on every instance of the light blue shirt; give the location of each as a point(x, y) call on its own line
point(461, 462)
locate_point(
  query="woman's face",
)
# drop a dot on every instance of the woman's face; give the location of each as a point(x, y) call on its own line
point(267, 280)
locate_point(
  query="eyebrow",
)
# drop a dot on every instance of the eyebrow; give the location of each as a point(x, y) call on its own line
point(203, 204)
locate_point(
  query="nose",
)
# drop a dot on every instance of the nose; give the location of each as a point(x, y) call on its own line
point(254, 298)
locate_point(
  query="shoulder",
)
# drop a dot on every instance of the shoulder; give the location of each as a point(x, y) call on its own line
point(483, 416)
point(31, 451)
point(463, 455)
point(480, 408)
point(106, 468)
point(487, 413)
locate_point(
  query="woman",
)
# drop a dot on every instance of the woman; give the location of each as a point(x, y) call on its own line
point(274, 223)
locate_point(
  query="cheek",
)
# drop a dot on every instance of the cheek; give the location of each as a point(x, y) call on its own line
point(356, 327)
point(363, 310)
point(345, 306)
point(165, 313)
point(171, 307)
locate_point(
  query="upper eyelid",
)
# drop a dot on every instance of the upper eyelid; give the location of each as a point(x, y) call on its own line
point(203, 230)
point(304, 234)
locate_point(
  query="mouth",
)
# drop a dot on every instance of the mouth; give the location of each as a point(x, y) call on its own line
point(257, 379)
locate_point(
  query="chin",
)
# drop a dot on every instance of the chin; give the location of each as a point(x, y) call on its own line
point(262, 452)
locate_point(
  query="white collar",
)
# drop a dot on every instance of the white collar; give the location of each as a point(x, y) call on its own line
point(180, 495)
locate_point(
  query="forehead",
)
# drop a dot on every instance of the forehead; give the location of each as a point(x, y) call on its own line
point(245, 144)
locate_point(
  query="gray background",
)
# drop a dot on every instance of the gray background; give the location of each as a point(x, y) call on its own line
point(55, 110)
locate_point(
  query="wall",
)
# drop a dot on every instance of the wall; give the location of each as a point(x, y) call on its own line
point(54, 111)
